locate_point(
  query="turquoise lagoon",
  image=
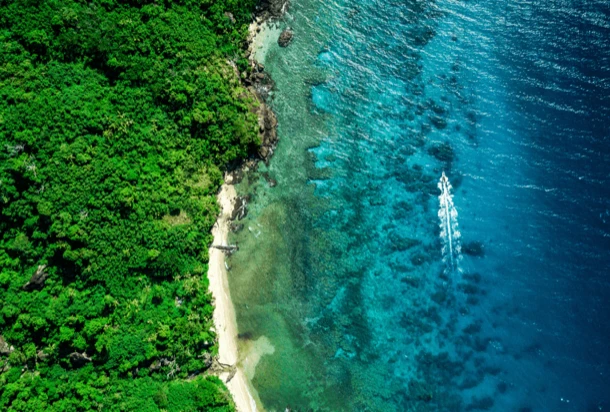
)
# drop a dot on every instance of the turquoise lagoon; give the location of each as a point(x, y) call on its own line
point(341, 266)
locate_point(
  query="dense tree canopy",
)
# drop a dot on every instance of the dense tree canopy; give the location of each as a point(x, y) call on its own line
point(116, 119)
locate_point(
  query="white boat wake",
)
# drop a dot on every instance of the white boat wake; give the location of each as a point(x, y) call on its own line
point(450, 233)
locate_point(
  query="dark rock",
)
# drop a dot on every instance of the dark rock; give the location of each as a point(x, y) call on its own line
point(79, 358)
point(37, 279)
point(239, 209)
point(265, 152)
point(272, 8)
point(443, 152)
point(262, 84)
point(474, 249)
point(236, 227)
point(268, 128)
point(285, 38)
point(245, 336)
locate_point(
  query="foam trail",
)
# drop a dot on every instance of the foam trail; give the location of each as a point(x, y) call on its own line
point(450, 234)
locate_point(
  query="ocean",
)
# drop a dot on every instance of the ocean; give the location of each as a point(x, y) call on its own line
point(345, 270)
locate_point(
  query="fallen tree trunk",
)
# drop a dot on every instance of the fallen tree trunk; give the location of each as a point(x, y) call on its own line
point(228, 248)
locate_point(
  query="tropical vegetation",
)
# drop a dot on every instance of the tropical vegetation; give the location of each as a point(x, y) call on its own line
point(117, 118)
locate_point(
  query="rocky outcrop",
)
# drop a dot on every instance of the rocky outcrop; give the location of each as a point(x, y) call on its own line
point(267, 123)
point(5, 348)
point(260, 84)
point(285, 38)
point(239, 209)
point(258, 81)
point(37, 279)
point(272, 9)
point(79, 359)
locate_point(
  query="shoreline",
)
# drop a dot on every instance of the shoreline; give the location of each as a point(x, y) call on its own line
point(239, 369)
point(224, 313)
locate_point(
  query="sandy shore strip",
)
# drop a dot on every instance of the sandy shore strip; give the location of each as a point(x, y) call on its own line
point(224, 313)
point(244, 395)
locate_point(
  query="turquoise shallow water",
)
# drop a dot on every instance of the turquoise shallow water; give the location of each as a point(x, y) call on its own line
point(341, 265)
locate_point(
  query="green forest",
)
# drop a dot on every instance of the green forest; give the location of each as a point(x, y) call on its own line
point(117, 119)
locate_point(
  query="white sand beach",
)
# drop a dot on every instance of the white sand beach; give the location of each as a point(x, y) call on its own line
point(244, 395)
point(224, 314)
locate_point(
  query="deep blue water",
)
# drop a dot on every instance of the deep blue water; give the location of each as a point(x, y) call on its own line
point(512, 100)
point(536, 192)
